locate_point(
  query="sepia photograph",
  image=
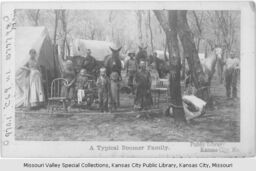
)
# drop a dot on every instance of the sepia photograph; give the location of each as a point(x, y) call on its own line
point(128, 79)
point(127, 75)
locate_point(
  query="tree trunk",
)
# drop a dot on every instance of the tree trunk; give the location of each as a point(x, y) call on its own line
point(64, 33)
point(55, 26)
point(200, 80)
point(37, 18)
point(169, 25)
point(175, 68)
point(150, 29)
point(199, 28)
point(165, 50)
point(140, 25)
point(54, 42)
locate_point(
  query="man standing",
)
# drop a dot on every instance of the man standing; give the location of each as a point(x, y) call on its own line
point(90, 63)
point(231, 74)
point(131, 68)
point(143, 99)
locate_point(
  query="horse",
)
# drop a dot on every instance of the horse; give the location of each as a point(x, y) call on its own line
point(112, 62)
point(141, 55)
point(209, 64)
point(161, 65)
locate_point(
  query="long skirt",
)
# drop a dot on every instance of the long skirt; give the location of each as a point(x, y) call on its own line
point(35, 93)
point(67, 92)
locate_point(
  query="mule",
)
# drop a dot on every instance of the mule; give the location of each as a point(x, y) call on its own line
point(113, 62)
point(141, 55)
point(209, 64)
point(161, 65)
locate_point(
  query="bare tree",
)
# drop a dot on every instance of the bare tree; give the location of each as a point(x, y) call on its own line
point(199, 78)
point(198, 20)
point(55, 51)
point(226, 27)
point(168, 21)
point(63, 18)
point(56, 12)
point(150, 30)
point(139, 16)
point(110, 19)
point(34, 16)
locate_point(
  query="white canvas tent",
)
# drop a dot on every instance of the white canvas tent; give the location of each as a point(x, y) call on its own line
point(31, 38)
point(99, 49)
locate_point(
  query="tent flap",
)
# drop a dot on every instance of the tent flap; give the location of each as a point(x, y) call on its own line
point(31, 38)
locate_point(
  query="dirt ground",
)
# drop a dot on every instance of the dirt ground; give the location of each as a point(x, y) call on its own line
point(219, 124)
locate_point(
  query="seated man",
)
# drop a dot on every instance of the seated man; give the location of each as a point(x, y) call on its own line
point(90, 63)
point(81, 84)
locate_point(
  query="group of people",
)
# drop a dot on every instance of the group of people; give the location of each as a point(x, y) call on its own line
point(108, 86)
point(139, 82)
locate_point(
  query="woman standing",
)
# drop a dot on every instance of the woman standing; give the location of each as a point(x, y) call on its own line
point(143, 98)
point(34, 94)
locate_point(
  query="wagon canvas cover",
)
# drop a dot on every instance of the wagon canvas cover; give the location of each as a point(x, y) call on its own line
point(99, 49)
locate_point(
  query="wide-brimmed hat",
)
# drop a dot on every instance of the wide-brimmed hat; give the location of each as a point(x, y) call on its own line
point(83, 72)
point(142, 63)
point(103, 69)
point(131, 53)
point(68, 62)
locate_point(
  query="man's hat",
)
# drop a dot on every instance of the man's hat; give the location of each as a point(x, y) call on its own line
point(142, 63)
point(83, 72)
point(102, 69)
point(131, 53)
point(69, 62)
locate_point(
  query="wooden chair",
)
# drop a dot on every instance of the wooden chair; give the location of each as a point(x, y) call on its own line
point(160, 92)
point(56, 101)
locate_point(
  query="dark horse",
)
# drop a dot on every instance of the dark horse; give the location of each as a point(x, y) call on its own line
point(161, 65)
point(113, 62)
point(113, 65)
point(142, 54)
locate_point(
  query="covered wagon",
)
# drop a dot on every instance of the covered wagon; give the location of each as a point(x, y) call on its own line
point(99, 49)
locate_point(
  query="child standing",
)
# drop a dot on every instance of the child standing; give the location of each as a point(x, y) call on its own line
point(103, 85)
point(81, 85)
